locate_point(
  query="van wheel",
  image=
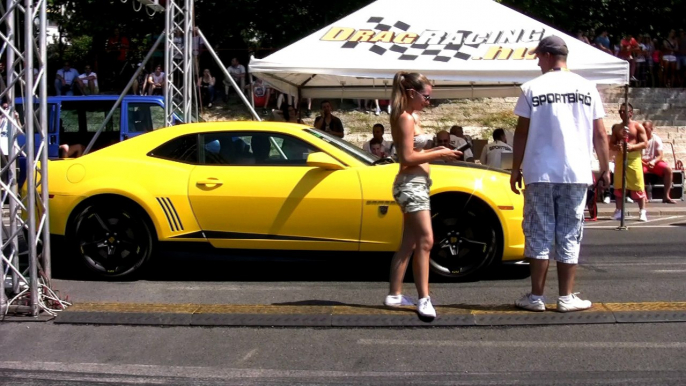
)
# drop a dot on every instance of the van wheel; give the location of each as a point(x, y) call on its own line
point(112, 239)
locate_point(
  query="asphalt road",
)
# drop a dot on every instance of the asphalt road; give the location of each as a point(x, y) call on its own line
point(646, 263)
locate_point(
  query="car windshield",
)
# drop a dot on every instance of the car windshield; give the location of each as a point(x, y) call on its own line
point(345, 146)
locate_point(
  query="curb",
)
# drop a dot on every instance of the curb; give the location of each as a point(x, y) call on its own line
point(361, 315)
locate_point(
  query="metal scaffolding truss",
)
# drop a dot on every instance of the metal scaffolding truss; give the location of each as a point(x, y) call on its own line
point(25, 271)
point(178, 58)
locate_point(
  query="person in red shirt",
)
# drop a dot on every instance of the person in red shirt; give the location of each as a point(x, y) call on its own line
point(117, 49)
point(628, 48)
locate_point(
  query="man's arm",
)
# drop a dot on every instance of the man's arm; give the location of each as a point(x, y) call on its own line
point(521, 136)
point(641, 139)
point(318, 122)
point(602, 150)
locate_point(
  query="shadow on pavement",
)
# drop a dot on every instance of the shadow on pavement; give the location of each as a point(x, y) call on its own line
point(325, 267)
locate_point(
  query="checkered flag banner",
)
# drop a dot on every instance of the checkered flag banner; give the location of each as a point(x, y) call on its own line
point(436, 52)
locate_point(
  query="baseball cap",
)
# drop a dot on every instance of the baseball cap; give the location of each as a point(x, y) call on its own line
point(552, 44)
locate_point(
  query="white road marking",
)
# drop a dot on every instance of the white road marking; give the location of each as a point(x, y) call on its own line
point(248, 356)
point(619, 263)
point(516, 344)
point(636, 224)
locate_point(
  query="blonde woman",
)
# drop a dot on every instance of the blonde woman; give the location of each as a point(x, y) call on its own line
point(411, 93)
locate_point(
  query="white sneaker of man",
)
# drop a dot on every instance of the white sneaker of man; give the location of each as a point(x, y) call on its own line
point(398, 301)
point(643, 215)
point(606, 199)
point(425, 308)
point(528, 302)
point(571, 303)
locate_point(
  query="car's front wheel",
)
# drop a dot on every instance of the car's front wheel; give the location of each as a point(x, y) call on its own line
point(113, 239)
point(466, 239)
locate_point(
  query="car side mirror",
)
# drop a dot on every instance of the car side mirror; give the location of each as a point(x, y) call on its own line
point(322, 160)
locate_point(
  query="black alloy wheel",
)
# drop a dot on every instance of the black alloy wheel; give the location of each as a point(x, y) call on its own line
point(466, 241)
point(113, 239)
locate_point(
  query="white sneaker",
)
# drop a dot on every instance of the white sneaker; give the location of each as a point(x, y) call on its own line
point(527, 303)
point(643, 216)
point(629, 200)
point(425, 308)
point(606, 199)
point(398, 301)
point(617, 215)
point(575, 304)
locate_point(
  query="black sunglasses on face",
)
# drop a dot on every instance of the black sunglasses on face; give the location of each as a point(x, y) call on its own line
point(426, 97)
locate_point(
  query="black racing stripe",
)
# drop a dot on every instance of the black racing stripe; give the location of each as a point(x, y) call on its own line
point(175, 213)
point(256, 236)
point(171, 215)
point(164, 209)
point(194, 235)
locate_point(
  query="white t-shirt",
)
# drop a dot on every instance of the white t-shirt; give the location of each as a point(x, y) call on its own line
point(68, 76)
point(654, 146)
point(562, 107)
point(456, 142)
point(491, 154)
point(235, 72)
point(388, 147)
point(85, 82)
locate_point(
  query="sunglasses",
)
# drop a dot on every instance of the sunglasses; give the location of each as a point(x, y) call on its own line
point(426, 97)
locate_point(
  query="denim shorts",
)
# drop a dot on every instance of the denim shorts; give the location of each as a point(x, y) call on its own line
point(554, 215)
point(411, 192)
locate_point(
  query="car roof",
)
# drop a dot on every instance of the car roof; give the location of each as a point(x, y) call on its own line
point(160, 136)
point(99, 97)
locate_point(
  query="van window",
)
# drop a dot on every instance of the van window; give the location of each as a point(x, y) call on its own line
point(144, 117)
point(79, 120)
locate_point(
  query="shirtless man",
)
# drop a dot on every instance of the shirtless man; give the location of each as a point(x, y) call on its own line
point(634, 173)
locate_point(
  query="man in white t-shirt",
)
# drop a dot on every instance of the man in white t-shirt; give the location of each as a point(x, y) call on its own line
point(560, 122)
point(377, 133)
point(237, 72)
point(491, 155)
point(64, 80)
point(653, 162)
point(88, 81)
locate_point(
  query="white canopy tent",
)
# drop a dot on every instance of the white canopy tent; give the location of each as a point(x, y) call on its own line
point(467, 48)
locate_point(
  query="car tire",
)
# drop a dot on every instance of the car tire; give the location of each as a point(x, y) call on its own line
point(112, 239)
point(466, 241)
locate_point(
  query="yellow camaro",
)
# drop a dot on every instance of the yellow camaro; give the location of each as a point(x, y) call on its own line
point(268, 186)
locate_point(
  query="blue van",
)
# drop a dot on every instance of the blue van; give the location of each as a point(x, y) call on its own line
point(75, 119)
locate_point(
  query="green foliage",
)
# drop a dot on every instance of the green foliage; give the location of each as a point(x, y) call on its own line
point(618, 17)
point(502, 119)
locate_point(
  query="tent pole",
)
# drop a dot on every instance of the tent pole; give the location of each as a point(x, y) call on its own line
point(625, 163)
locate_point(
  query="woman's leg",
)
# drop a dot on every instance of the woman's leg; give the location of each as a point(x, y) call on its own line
point(402, 257)
point(210, 90)
point(420, 261)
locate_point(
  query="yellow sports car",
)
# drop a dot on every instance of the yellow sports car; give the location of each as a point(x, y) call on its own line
point(268, 186)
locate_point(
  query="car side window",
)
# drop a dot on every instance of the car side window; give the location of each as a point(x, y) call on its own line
point(182, 149)
point(254, 148)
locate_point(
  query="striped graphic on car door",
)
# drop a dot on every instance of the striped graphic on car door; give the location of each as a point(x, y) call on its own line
point(170, 212)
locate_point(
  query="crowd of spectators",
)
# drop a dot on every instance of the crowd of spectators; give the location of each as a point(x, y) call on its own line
point(653, 61)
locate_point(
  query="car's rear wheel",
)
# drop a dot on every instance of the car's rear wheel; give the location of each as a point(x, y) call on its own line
point(466, 240)
point(112, 239)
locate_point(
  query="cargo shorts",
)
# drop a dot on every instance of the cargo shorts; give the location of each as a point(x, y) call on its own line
point(554, 215)
point(411, 192)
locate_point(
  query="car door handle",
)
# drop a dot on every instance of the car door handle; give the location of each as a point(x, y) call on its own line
point(210, 181)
